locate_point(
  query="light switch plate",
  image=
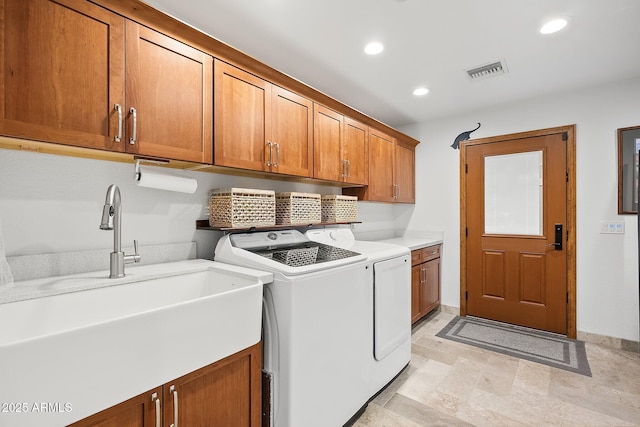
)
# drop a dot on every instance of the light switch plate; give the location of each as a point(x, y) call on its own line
point(611, 227)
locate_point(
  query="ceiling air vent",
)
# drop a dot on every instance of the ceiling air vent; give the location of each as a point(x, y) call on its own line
point(489, 70)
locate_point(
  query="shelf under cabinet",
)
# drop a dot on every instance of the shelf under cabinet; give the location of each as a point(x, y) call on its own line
point(203, 224)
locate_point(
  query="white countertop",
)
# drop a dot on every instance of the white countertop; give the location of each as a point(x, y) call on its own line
point(55, 285)
point(413, 243)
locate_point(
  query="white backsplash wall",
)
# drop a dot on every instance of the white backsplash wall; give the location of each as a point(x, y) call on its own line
point(607, 264)
point(377, 221)
point(51, 203)
point(6, 277)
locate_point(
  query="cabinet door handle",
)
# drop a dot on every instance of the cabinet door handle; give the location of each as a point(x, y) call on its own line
point(344, 169)
point(270, 162)
point(277, 154)
point(134, 132)
point(118, 108)
point(154, 398)
point(173, 391)
point(348, 168)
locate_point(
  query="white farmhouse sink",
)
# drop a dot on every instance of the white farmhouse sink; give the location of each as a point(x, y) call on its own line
point(81, 352)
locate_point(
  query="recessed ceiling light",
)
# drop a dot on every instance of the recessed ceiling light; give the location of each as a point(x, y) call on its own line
point(420, 91)
point(374, 48)
point(553, 26)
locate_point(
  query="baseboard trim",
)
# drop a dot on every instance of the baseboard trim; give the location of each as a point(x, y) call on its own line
point(448, 309)
point(607, 341)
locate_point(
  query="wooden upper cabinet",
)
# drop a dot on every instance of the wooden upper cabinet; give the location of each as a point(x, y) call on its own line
point(340, 147)
point(73, 72)
point(392, 165)
point(169, 86)
point(355, 150)
point(328, 135)
point(292, 133)
point(260, 126)
point(61, 72)
point(240, 126)
point(405, 173)
point(382, 164)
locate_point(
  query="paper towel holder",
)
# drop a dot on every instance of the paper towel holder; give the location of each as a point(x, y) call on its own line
point(143, 177)
point(138, 159)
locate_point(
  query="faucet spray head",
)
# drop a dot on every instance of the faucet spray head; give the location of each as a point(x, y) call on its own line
point(107, 218)
point(111, 203)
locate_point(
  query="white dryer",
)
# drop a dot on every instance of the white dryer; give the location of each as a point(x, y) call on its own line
point(389, 287)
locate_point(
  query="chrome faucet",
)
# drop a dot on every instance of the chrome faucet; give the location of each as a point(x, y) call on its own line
point(111, 217)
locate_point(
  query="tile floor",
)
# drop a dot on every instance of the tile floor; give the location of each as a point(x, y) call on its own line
point(453, 384)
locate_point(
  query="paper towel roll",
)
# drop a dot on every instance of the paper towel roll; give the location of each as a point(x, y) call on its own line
point(162, 181)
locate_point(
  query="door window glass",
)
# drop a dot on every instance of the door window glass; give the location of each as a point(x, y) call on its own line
point(513, 194)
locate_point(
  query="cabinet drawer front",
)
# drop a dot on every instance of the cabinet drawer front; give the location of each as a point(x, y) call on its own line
point(430, 252)
point(416, 257)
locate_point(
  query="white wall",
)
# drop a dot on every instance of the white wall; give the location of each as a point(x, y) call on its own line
point(52, 203)
point(607, 264)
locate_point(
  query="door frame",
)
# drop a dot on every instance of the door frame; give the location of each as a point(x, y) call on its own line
point(570, 130)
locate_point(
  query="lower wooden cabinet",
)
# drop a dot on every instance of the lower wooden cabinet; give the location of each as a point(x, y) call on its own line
point(425, 281)
point(227, 393)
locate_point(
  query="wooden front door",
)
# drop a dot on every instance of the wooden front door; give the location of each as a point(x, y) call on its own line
point(516, 203)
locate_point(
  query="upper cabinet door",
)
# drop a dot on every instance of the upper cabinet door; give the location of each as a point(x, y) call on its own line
point(328, 134)
point(381, 161)
point(355, 151)
point(260, 126)
point(340, 147)
point(61, 72)
point(292, 133)
point(405, 173)
point(242, 104)
point(169, 97)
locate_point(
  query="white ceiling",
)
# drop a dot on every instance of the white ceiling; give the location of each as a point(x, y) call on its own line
point(427, 42)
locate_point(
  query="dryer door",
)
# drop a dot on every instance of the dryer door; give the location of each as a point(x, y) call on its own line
point(392, 304)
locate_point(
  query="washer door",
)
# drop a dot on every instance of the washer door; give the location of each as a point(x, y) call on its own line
point(392, 305)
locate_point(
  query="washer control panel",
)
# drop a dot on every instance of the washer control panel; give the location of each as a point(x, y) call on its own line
point(267, 238)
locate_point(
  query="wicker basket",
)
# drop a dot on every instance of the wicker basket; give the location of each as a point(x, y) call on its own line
point(242, 207)
point(338, 208)
point(297, 257)
point(298, 208)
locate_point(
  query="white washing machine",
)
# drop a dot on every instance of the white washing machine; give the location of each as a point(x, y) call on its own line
point(316, 323)
point(389, 289)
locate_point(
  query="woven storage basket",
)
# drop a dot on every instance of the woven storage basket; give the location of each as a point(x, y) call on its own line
point(338, 208)
point(242, 207)
point(298, 208)
point(297, 257)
